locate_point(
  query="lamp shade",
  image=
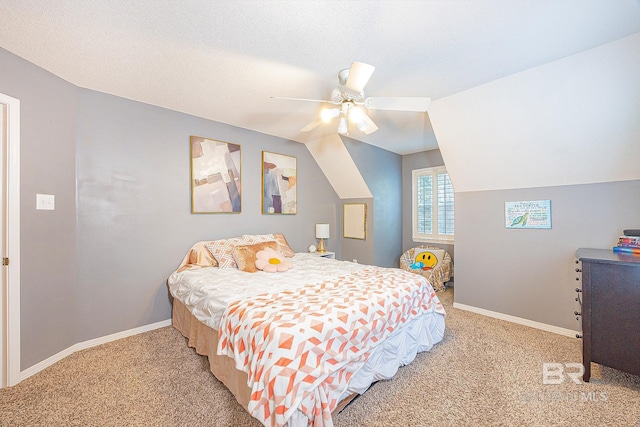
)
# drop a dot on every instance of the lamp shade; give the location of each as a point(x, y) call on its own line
point(322, 231)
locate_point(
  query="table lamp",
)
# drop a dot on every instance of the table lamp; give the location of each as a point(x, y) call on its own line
point(322, 232)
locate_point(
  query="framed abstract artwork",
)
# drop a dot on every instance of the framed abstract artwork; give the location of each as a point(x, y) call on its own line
point(215, 176)
point(279, 184)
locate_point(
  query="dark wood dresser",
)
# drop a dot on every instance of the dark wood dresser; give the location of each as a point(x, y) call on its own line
point(610, 310)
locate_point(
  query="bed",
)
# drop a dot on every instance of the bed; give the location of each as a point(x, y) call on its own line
point(294, 347)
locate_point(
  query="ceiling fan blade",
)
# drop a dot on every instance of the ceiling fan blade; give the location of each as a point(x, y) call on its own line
point(371, 127)
point(359, 75)
point(303, 99)
point(420, 104)
point(311, 125)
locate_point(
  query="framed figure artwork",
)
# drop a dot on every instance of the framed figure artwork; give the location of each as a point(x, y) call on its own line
point(215, 176)
point(279, 184)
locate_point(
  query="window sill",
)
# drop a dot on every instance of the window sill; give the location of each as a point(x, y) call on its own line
point(433, 240)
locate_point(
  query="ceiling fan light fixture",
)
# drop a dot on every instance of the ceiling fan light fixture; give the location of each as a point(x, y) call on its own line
point(329, 113)
point(342, 126)
point(356, 115)
point(349, 103)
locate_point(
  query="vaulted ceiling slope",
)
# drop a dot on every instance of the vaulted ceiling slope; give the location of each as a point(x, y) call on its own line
point(222, 60)
point(571, 121)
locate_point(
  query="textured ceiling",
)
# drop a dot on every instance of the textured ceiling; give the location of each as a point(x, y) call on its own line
point(223, 59)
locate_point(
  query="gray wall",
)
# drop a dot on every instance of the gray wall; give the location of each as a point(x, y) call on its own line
point(107, 272)
point(424, 159)
point(134, 220)
point(48, 110)
point(529, 273)
point(381, 170)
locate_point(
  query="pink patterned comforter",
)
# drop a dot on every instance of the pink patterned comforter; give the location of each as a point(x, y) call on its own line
point(300, 348)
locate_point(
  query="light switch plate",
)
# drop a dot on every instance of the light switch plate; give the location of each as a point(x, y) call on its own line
point(45, 202)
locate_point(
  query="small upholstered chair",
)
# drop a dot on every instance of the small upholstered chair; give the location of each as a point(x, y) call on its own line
point(431, 262)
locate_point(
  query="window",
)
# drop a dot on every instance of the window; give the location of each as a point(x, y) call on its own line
point(432, 205)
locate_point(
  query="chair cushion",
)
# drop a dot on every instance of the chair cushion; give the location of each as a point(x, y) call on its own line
point(431, 262)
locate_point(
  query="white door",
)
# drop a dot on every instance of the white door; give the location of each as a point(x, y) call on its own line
point(10, 240)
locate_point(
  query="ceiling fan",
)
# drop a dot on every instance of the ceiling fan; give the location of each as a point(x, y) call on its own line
point(350, 104)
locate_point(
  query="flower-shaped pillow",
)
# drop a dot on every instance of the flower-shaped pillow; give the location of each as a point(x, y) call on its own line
point(270, 260)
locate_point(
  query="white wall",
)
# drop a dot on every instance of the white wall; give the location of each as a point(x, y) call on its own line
point(572, 121)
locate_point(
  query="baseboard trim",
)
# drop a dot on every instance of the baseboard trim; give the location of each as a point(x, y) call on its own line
point(88, 344)
point(518, 320)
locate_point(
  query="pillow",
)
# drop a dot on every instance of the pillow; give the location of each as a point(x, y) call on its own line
point(429, 258)
point(198, 257)
point(222, 250)
point(272, 261)
point(245, 256)
point(283, 246)
point(252, 239)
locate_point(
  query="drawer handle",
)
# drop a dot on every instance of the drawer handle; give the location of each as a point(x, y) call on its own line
point(578, 336)
point(577, 313)
point(578, 290)
point(578, 270)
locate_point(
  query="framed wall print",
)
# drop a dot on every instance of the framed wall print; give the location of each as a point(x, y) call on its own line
point(355, 220)
point(279, 184)
point(215, 176)
point(528, 214)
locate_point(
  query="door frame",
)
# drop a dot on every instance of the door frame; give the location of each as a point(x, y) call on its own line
point(10, 301)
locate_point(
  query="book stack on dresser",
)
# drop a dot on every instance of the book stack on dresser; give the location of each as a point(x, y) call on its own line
point(629, 243)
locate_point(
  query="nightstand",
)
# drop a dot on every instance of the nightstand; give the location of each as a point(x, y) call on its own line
point(327, 254)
